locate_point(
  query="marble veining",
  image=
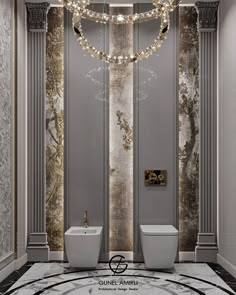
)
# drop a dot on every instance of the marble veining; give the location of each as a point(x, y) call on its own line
point(188, 128)
point(6, 126)
point(121, 136)
point(55, 129)
point(55, 278)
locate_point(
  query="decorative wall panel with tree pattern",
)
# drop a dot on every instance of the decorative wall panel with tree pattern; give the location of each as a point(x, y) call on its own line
point(55, 129)
point(188, 128)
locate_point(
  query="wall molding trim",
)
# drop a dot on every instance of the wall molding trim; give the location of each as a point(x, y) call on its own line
point(56, 255)
point(21, 88)
point(226, 264)
point(11, 267)
point(6, 259)
point(127, 254)
point(187, 256)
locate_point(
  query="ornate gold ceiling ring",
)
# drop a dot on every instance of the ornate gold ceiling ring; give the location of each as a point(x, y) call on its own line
point(121, 59)
point(169, 4)
point(80, 8)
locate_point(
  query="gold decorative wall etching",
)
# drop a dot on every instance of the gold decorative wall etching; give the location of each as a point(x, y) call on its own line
point(128, 131)
point(55, 129)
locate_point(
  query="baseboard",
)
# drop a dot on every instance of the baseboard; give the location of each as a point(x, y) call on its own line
point(103, 258)
point(6, 259)
point(7, 270)
point(186, 256)
point(11, 267)
point(226, 265)
point(56, 255)
point(128, 255)
point(138, 258)
point(21, 261)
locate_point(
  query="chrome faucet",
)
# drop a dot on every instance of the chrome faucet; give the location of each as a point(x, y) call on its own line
point(85, 218)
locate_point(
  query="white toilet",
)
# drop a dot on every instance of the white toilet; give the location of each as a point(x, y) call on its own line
point(159, 244)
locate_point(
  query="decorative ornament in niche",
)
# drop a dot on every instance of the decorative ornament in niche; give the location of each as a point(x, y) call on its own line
point(161, 10)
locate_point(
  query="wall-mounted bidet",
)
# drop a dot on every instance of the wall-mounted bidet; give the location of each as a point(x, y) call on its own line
point(83, 245)
point(159, 244)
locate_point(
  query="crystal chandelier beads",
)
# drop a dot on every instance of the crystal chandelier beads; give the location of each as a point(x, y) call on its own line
point(121, 59)
point(104, 18)
point(162, 9)
point(80, 7)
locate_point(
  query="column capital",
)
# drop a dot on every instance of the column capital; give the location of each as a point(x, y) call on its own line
point(37, 17)
point(207, 16)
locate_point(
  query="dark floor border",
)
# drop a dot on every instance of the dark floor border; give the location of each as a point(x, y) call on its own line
point(224, 275)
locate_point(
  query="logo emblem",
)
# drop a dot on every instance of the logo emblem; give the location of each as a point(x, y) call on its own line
point(116, 265)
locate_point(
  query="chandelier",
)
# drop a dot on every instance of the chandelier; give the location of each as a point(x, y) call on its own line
point(161, 10)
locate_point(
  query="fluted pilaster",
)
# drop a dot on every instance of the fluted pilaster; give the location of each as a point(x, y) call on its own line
point(37, 249)
point(206, 248)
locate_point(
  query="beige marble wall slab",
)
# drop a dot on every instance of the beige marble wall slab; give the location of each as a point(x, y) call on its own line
point(121, 136)
point(55, 129)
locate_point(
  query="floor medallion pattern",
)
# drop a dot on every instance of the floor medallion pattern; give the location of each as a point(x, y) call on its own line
point(55, 278)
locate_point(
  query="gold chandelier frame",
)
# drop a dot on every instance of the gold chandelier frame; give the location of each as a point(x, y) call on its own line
point(162, 9)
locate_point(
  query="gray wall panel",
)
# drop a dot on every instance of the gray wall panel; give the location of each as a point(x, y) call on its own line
point(85, 137)
point(85, 134)
point(227, 137)
point(157, 127)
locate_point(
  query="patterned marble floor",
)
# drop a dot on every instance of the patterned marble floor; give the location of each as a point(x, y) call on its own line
point(58, 278)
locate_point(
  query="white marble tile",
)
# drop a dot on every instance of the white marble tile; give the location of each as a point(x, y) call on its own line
point(149, 282)
point(201, 271)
